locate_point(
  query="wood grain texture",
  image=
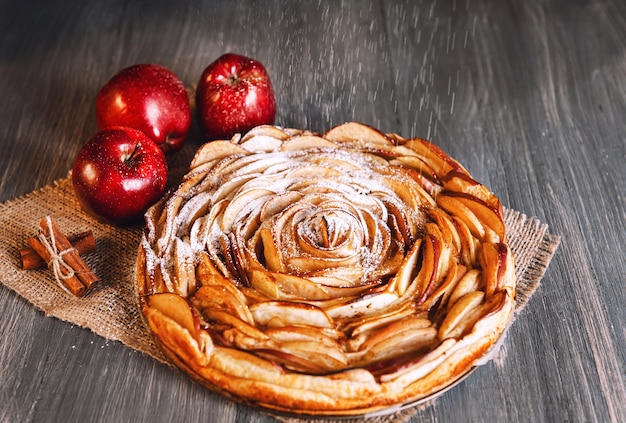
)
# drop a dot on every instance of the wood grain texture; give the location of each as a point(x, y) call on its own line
point(529, 96)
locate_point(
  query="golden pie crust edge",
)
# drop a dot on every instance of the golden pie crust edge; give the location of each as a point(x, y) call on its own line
point(260, 383)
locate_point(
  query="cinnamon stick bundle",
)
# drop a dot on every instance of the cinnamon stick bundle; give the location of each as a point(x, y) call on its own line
point(70, 270)
point(84, 243)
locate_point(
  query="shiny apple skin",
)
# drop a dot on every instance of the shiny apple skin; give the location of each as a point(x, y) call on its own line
point(150, 98)
point(234, 95)
point(118, 174)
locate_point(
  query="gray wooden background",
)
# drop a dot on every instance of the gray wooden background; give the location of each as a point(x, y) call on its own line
point(529, 95)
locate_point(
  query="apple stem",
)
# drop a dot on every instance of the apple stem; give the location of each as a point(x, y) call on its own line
point(131, 156)
point(232, 80)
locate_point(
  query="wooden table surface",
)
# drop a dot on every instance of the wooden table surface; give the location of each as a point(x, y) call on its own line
point(529, 96)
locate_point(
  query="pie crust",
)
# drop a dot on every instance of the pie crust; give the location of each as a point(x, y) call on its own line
point(334, 274)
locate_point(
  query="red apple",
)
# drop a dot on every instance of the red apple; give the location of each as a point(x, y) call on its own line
point(234, 95)
point(118, 174)
point(149, 98)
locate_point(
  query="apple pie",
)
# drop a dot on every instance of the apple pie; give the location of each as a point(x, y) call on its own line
point(339, 274)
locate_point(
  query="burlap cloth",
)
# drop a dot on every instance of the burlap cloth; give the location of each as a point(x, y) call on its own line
point(111, 309)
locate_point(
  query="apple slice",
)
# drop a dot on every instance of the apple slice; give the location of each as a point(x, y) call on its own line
point(403, 187)
point(446, 225)
point(282, 313)
point(416, 163)
point(234, 329)
point(305, 333)
point(401, 281)
point(307, 142)
point(225, 318)
point(221, 298)
point(461, 182)
point(444, 290)
point(243, 204)
point(396, 327)
point(216, 150)
point(420, 367)
point(207, 273)
point(178, 340)
point(306, 357)
point(255, 165)
point(362, 327)
point(269, 237)
point(462, 316)
point(353, 131)
point(229, 188)
point(365, 304)
point(414, 167)
point(304, 263)
point(403, 226)
point(283, 286)
point(433, 156)
point(261, 143)
point(195, 208)
point(316, 171)
point(470, 282)
point(490, 217)
point(204, 225)
point(469, 244)
point(184, 273)
point(265, 131)
point(340, 288)
point(175, 308)
point(277, 203)
point(428, 273)
point(395, 344)
point(457, 208)
point(494, 261)
point(327, 357)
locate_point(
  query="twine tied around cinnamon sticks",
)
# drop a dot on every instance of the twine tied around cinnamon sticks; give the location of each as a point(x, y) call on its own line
point(70, 271)
point(59, 267)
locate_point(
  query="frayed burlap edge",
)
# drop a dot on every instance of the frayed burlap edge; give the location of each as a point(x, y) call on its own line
point(111, 309)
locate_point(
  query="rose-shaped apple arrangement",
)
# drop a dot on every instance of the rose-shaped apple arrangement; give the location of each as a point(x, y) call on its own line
point(326, 274)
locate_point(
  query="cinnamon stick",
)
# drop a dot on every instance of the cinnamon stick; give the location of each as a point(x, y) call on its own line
point(83, 242)
point(71, 257)
point(72, 283)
